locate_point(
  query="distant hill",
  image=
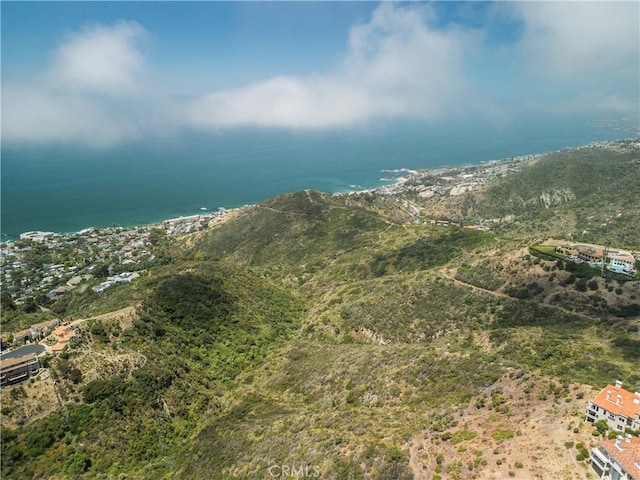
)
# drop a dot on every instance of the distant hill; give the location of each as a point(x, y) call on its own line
point(590, 194)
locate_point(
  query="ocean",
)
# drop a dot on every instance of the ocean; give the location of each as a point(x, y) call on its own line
point(65, 189)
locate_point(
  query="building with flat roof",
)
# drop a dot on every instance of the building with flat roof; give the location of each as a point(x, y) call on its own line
point(16, 370)
point(617, 459)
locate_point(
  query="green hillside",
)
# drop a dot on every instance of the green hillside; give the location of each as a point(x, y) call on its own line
point(589, 193)
point(199, 327)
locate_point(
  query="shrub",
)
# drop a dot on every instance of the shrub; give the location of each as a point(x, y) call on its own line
point(583, 455)
point(601, 426)
point(462, 435)
point(503, 435)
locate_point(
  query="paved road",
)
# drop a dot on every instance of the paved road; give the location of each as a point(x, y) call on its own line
point(31, 348)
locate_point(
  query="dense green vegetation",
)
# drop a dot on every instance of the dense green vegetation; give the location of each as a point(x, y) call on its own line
point(197, 330)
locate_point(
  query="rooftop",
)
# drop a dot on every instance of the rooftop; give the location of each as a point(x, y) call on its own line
point(626, 453)
point(618, 401)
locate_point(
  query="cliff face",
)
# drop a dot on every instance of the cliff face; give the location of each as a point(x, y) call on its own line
point(556, 196)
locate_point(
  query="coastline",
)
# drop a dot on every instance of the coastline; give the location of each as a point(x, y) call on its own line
point(390, 186)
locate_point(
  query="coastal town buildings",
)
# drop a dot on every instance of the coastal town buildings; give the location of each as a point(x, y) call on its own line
point(124, 277)
point(617, 406)
point(50, 264)
point(16, 370)
point(617, 459)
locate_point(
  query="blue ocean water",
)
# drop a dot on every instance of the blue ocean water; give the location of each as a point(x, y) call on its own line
point(65, 189)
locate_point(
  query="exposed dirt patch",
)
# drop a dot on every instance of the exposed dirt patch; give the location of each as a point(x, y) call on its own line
point(526, 429)
point(101, 364)
point(124, 316)
point(28, 401)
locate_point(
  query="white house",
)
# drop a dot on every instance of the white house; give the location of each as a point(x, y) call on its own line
point(619, 407)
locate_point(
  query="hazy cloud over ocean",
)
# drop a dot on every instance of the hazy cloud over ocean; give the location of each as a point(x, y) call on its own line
point(405, 60)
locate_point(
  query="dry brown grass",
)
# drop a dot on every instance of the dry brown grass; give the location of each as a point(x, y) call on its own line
point(540, 422)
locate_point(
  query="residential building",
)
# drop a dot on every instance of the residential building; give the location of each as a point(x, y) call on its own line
point(615, 259)
point(619, 407)
point(589, 253)
point(36, 331)
point(567, 250)
point(15, 370)
point(36, 236)
point(44, 328)
point(22, 335)
point(65, 335)
point(617, 459)
point(622, 259)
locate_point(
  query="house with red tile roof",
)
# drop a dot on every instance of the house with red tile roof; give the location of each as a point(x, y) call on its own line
point(22, 335)
point(617, 459)
point(64, 334)
point(619, 407)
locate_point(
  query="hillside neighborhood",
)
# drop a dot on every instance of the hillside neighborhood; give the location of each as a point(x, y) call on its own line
point(48, 264)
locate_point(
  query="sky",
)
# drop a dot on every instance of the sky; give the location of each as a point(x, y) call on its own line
point(104, 73)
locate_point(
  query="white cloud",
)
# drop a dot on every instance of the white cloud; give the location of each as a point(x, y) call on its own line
point(86, 94)
point(100, 59)
point(395, 65)
point(571, 56)
point(575, 40)
point(30, 115)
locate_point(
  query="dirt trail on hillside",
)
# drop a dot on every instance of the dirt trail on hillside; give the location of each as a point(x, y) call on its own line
point(451, 274)
point(126, 315)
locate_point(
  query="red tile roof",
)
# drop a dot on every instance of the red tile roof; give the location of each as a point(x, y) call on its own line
point(61, 330)
point(629, 402)
point(627, 454)
point(22, 333)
